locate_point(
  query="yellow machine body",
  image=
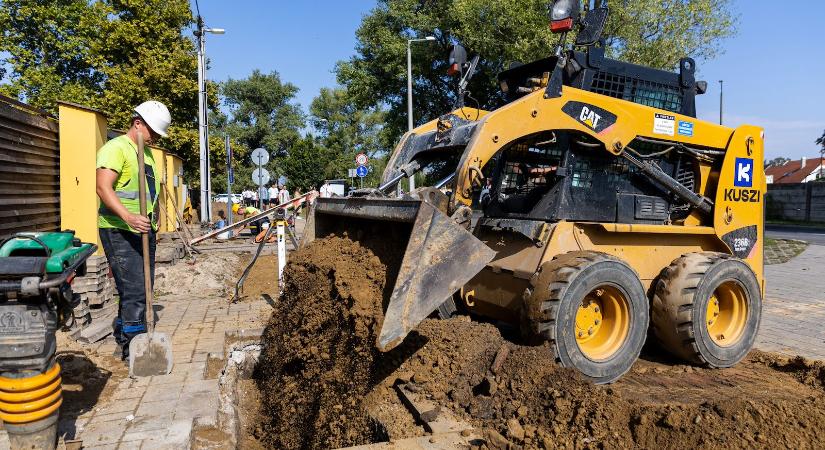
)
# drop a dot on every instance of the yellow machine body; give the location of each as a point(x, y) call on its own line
point(647, 248)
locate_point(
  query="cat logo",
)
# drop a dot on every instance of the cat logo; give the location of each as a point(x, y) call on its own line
point(593, 117)
point(589, 118)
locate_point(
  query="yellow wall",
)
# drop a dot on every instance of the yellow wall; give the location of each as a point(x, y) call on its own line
point(160, 166)
point(174, 189)
point(82, 131)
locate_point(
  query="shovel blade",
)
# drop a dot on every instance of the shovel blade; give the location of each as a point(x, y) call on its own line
point(441, 257)
point(150, 355)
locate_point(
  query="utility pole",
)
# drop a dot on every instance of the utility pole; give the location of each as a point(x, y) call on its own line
point(721, 92)
point(203, 128)
point(229, 180)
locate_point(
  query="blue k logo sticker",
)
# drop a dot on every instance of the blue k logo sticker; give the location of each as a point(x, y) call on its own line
point(744, 173)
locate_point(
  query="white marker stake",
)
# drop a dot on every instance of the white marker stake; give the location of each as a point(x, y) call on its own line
point(279, 231)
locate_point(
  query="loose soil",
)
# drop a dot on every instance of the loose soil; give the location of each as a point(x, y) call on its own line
point(262, 279)
point(209, 273)
point(323, 385)
point(320, 354)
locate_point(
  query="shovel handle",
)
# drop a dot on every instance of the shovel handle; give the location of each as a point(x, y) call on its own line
point(147, 272)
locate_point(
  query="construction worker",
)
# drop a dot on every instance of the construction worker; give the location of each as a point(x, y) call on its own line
point(119, 218)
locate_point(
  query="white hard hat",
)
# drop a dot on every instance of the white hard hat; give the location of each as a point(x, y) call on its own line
point(156, 115)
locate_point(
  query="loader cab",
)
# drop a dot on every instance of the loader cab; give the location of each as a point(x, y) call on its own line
point(592, 71)
point(564, 175)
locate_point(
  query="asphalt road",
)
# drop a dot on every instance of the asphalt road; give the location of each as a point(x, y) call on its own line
point(815, 236)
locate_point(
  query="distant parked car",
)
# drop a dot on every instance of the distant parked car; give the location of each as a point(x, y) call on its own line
point(222, 198)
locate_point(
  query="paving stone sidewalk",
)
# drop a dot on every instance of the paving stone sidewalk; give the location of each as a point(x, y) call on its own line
point(159, 412)
point(793, 316)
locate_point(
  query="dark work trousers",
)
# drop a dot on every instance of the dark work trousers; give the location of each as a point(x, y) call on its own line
point(124, 251)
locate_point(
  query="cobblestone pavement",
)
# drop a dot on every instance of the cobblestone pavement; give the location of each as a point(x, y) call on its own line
point(159, 412)
point(783, 250)
point(793, 317)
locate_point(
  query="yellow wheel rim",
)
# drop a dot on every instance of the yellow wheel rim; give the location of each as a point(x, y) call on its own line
point(602, 322)
point(727, 314)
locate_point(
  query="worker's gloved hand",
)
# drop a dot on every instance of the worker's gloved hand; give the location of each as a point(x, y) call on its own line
point(139, 223)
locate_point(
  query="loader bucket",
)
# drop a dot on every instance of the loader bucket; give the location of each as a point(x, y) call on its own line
point(439, 255)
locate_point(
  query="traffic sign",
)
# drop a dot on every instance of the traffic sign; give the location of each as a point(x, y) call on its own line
point(231, 176)
point(361, 159)
point(260, 156)
point(351, 173)
point(361, 171)
point(260, 176)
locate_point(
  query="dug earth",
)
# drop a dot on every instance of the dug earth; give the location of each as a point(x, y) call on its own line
point(323, 384)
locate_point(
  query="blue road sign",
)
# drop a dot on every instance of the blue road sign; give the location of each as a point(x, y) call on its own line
point(361, 171)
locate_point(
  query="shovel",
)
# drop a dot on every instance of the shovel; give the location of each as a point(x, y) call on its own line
point(150, 354)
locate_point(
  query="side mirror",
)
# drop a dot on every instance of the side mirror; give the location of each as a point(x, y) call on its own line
point(458, 59)
point(593, 26)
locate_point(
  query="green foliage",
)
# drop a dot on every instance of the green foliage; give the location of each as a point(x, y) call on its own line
point(262, 113)
point(821, 141)
point(302, 165)
point(776, 161)
point(107, 54)
point(346, 130)
point(651, 32)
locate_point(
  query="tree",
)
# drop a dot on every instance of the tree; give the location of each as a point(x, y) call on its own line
point(262, 114)
point(651, 32)
point(346, 130)
point(778, 161)
point(107, 54)
point(302, 164)
point(820, 141)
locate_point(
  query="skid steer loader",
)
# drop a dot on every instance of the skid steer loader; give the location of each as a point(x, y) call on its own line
point(591, 208)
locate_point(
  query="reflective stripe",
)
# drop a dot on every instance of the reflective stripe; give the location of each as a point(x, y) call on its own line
point(139, 328)
point(127, 194)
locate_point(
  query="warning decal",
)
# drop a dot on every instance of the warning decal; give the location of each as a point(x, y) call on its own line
point(664, 124)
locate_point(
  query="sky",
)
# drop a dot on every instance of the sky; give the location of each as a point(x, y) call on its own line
point(770, 68)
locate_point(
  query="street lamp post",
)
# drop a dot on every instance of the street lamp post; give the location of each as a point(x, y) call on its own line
point(721, 92)
point(409, 90)
point(203, 138)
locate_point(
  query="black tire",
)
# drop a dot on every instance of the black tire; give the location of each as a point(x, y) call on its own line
point(560, 287)
point(447, 309)
point(679, 309)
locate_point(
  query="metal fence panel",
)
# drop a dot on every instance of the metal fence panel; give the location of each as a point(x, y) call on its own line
point(29, 169)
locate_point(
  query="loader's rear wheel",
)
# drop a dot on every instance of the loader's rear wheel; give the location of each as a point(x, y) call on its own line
point(592, 309)
point(706, 308)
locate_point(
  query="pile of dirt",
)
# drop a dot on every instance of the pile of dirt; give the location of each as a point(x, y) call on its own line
point(324, 385)
point(210, 272)
point(526, 400)
point(319, 357)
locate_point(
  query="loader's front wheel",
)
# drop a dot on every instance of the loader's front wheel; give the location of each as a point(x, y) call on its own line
point(706, 308)
point(592, 309)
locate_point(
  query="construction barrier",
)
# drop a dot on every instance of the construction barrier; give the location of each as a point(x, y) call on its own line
point(29, 164)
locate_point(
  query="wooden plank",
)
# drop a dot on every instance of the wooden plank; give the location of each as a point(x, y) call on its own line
point(50, 151)
point(436, 419)
point(36, 171)
point(30, 199)
point(288, 205)
point(17, 158)
point(17, 114)
point(27, 212)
